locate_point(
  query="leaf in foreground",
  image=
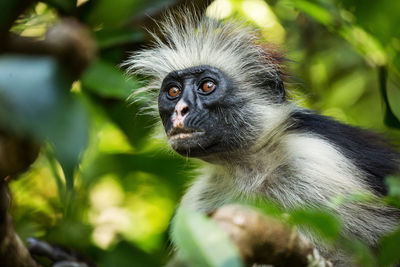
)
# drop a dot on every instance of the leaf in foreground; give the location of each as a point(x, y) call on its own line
point(202, 242)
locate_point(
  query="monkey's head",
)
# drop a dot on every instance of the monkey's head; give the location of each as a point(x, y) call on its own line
point(218, 88)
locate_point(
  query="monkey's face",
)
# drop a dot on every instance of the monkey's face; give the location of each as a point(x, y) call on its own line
point(199, 110)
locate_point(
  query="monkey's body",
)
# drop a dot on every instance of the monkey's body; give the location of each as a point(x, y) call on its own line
point(221, 98)
point(342, 158)
point(305, 166)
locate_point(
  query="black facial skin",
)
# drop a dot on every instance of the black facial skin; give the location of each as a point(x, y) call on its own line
point(210, 116)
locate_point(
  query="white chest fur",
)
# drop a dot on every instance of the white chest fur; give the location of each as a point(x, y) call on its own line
point(293, 174)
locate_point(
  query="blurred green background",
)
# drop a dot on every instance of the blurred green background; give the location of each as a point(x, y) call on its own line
point(105, 184)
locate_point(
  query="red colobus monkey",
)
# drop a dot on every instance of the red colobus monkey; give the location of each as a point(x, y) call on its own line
point(220, 96)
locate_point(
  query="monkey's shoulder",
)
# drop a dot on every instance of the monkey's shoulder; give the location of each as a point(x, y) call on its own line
point(369, 151)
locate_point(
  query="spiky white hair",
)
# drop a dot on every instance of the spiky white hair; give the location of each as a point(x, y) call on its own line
point(189, 39)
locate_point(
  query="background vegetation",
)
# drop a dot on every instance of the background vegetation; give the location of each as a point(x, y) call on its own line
point(105, 185)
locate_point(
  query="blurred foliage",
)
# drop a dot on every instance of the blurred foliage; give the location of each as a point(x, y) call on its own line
point(105, 185)
point(212, 249)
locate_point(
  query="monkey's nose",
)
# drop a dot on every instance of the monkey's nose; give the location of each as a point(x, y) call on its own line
point(180, 113)
point(181, 109)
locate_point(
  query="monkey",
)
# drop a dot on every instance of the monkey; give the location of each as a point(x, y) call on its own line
point(221, 98)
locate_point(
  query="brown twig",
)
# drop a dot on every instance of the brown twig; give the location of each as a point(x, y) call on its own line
point(69, 41)
point(13, 252)
point(16, 154)
point(265, 240)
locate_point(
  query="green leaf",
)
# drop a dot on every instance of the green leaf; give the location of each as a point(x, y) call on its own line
point(393, 196)
point(336, 19)
point(393, 92)
point(106, 80)
point(393, 184)
point(323, 223)
point(114, 14)
point(382, 24)
point(389, 253)
point(137, 127)
point(390, 119)
point(109, 38)
point(360, 252)
point(315, 11)
point(202, 243)
point(35, 101)
point(347, 91)
point(364, 43)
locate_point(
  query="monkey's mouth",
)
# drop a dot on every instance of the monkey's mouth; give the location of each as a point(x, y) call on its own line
point(179, 133)
point(191, 142)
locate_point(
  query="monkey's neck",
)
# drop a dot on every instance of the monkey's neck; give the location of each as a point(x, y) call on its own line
point(250, 170)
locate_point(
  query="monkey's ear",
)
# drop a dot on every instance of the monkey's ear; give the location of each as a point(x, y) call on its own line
point(276, 89)
point(273, 56)
point(280, 90)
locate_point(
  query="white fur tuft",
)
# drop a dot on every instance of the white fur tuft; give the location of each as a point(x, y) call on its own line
point(192, 40)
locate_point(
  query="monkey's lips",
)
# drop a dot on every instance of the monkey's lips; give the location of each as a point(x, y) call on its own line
point(187, 141)
point(181, 133)
point(182, 136)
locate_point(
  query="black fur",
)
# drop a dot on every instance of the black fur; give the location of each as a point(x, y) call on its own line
point(369, 151)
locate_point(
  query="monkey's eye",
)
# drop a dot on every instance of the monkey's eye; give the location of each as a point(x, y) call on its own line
point(174, 92)
point(207, 87)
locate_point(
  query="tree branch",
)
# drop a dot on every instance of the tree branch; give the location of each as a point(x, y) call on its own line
point(262, 240)
point(13, 252)
point(265, 240)
point(69, 41)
